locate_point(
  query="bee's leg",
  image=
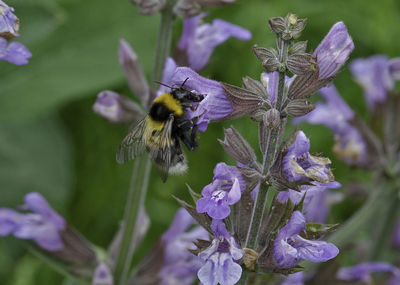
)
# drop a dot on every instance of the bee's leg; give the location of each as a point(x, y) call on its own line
point(189, 139)
point(185, 125)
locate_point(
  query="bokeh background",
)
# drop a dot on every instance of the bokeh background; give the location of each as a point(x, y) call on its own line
point(53, 143)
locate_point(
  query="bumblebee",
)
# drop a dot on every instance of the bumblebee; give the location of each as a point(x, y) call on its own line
point(161, 131)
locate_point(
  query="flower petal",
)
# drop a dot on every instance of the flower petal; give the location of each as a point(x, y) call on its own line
point(334, 50)
point(315, 251)
point(37, 204)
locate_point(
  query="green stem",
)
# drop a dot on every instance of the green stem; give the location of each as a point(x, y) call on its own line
point(136, 197)
point(379, 199)
point(258, 211)
point(383, 230)
point(243, 278)
point(163, 45)
point(269, 157)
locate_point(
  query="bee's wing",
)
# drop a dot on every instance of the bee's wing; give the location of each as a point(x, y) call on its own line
point(161, 147)
point(133, 144)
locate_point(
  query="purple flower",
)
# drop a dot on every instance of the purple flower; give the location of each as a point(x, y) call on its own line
point(14, 52)
point(43, 225)
point(214, 106)
point(226, 189)
point(133, 72)
point(200, 39)
point(290, 248)
point(317, 202)
point(334, 50)
point(102, 275)
point(180, 265)
point(394, 68)
point(335, 114)
point(362, 272)
point(108, 105)
point(300, 166)
point(374, 75)
point(396, 235)
point(294, 279)
point(9, 23)
point(220, 256)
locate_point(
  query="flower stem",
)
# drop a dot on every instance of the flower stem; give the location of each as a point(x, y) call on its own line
point(269, 157)
point(136, 197)
point(163, 46)
point(379, 199)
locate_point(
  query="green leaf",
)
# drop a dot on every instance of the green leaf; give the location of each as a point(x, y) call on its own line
point(34, 156)
point(77, 59)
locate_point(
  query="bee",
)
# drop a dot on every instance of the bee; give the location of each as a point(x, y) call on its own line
point(161, 131)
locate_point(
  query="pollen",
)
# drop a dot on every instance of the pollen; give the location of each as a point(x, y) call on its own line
point(170, 102)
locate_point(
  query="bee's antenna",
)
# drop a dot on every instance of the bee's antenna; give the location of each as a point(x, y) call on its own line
point(187, 78)
point(163, 84)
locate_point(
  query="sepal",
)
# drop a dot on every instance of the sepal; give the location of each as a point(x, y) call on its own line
point(316, 231)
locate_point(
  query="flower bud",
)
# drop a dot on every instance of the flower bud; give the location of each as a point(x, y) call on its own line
point(238, 147)
point(272, 118)
point(299, 107)
point(298, 47)
point(255, 86)
point(300, 63)
point(149, 7)
point(277, 25)
point(133, 72)
point(187, 8)
point(102, 275)
point(117, 109)
point(268, 57)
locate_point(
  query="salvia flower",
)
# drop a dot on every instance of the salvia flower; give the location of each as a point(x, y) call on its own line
point(362, 272)
point(102, 275)
point(9, 23)
point(300, 166)
point(294, 279)
point(376, 74)
point(180, 265)
point(220, 256)
point(333, 51)
point(214, 106)
point(133, 72)
point(290, 248)
point(336, 114)
point(200, 39)
point(317, 201)
point(42, 224)
point(14, 52)
point(116, 108)
point(225, 190)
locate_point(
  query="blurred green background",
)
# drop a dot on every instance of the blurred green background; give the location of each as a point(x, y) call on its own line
point(52, 142)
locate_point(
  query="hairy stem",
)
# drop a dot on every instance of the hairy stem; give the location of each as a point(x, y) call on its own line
point(269, 157)
point(136, 197)
point(163, 46)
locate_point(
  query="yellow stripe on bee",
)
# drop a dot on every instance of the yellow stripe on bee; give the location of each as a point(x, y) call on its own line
point(155, 125)
point(170, 102)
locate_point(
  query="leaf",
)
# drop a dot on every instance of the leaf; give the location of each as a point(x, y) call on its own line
point(35, 156)
point(77, 59)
